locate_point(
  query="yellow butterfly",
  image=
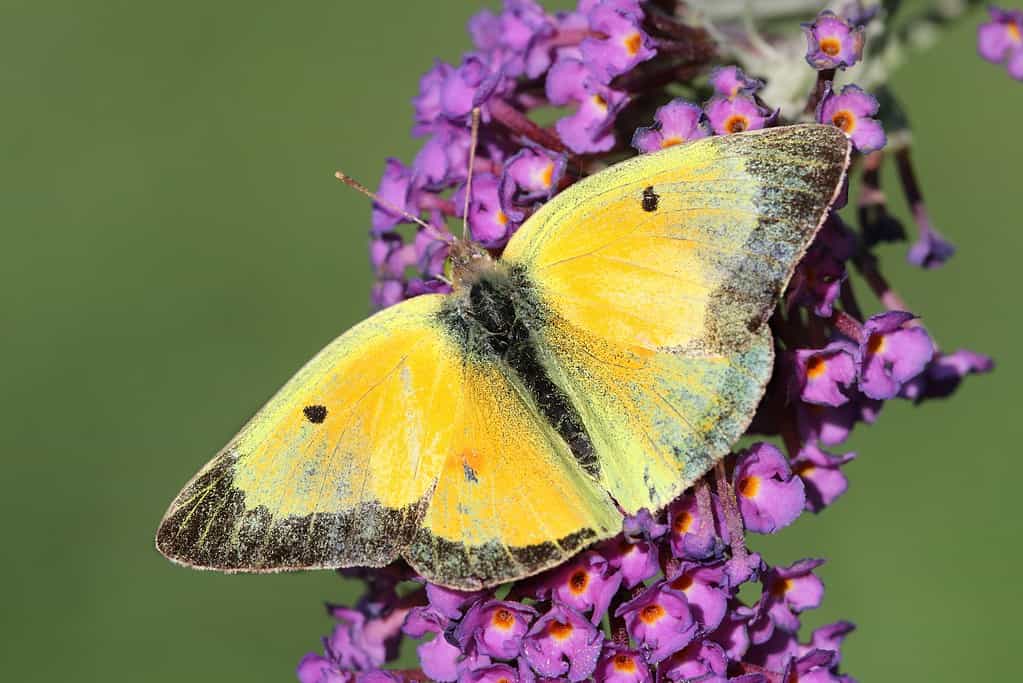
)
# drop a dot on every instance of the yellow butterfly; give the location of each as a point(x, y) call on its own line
point(603, 364)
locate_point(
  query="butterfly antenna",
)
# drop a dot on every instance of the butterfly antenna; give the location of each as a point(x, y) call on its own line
point(474, 137)
point(356, 185)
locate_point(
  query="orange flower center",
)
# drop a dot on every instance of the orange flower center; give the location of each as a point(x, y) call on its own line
point(736, 123)
point(671, 141)
point(1014, 33)
point(547, 175)
point(503, 619)
point(560, 631)
point(578, 582)
point(501, 218)
point(831, 46)
point(682, 522)
point(845, 120)
point(632, 43)
point(749, 486)
point(600, 102)
point(876, 343)
point(624, 663)
point(651, 613)
point(816, 367)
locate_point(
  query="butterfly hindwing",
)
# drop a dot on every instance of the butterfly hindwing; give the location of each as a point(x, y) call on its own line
point(656, 278)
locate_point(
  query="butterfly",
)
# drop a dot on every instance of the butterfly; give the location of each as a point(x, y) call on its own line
point(603, 364)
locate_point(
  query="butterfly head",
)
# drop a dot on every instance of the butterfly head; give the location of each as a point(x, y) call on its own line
point(468, 260)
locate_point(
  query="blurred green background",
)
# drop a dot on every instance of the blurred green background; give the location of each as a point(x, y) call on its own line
point(174, 247)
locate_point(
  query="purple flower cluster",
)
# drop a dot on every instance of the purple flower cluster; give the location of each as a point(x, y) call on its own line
point(662, 599)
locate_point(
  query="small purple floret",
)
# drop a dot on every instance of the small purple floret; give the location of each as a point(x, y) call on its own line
point(1000, 40)
point(563, 643)
point(891, 354)
point(832, 42)
point(674, 123)
point(851, 111)
point(770, 495)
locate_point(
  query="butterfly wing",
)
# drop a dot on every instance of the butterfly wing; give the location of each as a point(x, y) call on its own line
point(390, 443)
point(656, 278)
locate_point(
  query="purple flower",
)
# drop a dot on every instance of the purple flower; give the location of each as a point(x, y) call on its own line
point(822, 476)
point(624, 46)
point(637, 561)
point(674, 123)
point(563, 644)
point(1000, 41)
point(789, 591)
point(891, 354)
point(643, 525)
point(851, 111)
point(830, 425)
point(530, 176)
point(659, 621)
point(428, 103)
point(832, 43)
point(824, 376)
point(396, 188)
point(829, 638)
point(359, 643)
point(621, 665)
point(730, 81)
point(314, 668)
point(444, 159)
point(489, 225)
point(591, 127)
point(586, 583)
point(701, 660)
point(818, 279)
point(429, 253)
point(449, 602)
point(931, 250)
point(437, 657)
point(736, 114)
point(813, 667)
point(693, 535)
point(496, 627)
point(775, 652)
point(707, 591)
point(468, 86)
point(494, 673)
point(387, 292)
point(944, 373)
point(770, 495)
point(390, 255)
point(733, 634)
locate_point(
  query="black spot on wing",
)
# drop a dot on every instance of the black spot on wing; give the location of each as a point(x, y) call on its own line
point(315, 414)
point(650, 199)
